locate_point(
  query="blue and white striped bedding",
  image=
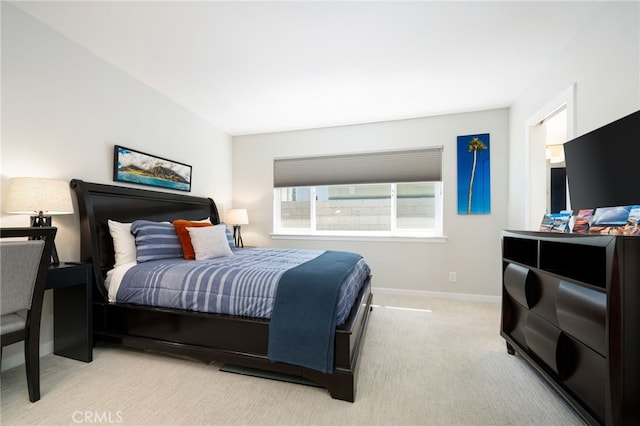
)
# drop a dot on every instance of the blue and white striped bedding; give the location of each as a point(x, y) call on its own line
point(244, 284)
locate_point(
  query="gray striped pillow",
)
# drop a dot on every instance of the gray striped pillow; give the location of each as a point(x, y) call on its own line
point(155, 240)
point(232, 243)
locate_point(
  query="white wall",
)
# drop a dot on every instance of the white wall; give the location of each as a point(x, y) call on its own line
point(604, 64)
point(472, 248)
point(63, 109)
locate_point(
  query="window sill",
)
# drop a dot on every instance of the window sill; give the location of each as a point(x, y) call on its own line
point(371, 238)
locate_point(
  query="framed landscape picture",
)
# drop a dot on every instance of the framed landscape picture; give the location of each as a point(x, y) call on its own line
point(134, 166)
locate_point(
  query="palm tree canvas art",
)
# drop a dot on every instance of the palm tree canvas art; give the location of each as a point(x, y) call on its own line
point(474, 183)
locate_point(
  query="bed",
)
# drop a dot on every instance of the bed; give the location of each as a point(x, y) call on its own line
point(236, 340)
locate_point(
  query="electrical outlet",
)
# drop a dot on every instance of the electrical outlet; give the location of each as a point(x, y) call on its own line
point(452, 277)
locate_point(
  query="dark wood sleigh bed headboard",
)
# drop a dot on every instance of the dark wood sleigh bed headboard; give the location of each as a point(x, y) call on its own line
point(97, 203)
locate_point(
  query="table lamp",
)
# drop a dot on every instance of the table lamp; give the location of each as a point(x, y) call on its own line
point(41, 198)
point(237, 217)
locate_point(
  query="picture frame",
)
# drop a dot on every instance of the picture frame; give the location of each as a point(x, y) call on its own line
point(474, 174)
point(618, 220)
point(133, 166)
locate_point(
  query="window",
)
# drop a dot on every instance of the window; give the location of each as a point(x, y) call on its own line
point(403, 209)
point(358, 194)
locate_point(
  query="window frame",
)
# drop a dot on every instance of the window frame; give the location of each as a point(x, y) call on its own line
point(437, 232)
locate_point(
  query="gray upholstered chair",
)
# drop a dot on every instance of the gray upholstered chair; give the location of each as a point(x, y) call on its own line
point(23, 275)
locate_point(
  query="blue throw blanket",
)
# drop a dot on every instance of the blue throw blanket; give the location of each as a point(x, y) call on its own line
point(303, 321)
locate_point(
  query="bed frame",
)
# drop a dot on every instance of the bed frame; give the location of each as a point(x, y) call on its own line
point(208, 337)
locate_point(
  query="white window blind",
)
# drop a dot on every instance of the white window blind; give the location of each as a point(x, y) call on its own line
point(415, 165)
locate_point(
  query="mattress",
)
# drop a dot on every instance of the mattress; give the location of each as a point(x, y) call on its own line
point(244, 284)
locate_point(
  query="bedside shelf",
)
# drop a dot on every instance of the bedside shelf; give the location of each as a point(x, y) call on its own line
point(72, 314)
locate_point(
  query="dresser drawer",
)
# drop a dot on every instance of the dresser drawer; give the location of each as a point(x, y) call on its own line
point(582, 313)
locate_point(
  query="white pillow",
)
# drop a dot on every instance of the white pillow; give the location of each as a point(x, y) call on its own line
point(124, 243)
point(209, 242)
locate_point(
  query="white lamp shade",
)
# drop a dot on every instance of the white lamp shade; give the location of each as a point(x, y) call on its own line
point(28, 195)
point(237, 217)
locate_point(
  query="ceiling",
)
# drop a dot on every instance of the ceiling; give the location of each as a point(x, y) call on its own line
point(255, 67)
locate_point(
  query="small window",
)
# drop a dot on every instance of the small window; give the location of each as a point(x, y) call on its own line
point(295, 208)
point(353, 208)
point(417, 206)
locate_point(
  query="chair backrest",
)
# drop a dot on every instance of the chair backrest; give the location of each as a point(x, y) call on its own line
point(19, 263)
point(23, 267)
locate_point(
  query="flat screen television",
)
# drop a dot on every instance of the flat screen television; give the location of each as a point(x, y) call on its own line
point(602, 165)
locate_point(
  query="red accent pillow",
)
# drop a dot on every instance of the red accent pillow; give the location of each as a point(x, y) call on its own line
point(183, 235)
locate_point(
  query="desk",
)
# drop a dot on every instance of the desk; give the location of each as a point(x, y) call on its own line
point(71, 285)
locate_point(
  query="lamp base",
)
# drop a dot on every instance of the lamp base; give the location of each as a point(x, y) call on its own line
point(237, 237)
point(39, 222)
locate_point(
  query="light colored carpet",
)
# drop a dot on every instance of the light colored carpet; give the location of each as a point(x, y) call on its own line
point(440, 363)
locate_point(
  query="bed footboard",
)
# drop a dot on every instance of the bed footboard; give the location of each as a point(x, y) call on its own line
point(228, 339)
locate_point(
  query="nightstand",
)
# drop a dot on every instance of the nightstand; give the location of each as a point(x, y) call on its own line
point(71, 285)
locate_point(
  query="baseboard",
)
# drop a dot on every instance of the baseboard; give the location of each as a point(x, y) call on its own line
point(439, 294)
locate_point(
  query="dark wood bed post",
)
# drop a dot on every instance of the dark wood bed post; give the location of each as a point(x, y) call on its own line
point(237, 340)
